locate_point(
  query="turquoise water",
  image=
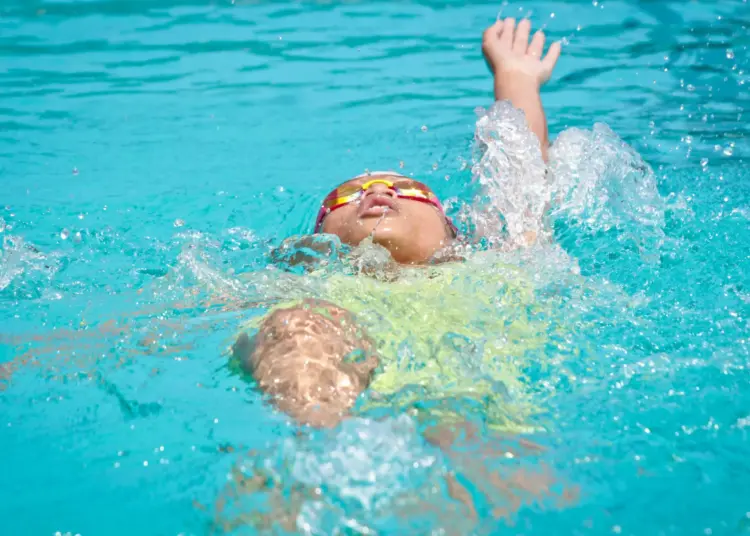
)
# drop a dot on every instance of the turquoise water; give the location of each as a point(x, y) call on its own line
point(151, 151)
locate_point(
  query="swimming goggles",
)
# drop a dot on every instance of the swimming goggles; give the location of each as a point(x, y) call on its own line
point(404, 188)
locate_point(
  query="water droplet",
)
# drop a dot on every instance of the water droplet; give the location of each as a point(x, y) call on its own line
point(424, 128)
point(179, 222)
point(280, 189)
point(64, 234)
point(75, 171)
point(690, 87)
point(728, 151)
point(81, 216)
point(617, 529)
point(552, 15)
point(730, 54)
point(435, 166)
point(145, 463)
point(77, 238)
point(704, 162)
point(401, 164)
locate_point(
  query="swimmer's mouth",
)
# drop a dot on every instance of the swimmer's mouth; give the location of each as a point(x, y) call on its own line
point(376, 205)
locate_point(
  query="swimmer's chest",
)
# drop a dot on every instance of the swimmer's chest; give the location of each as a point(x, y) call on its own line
point(424, 306)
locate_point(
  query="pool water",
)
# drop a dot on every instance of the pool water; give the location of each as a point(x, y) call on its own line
point(155, 153)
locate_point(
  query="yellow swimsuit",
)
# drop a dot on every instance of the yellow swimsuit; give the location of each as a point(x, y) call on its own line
point(451, 338)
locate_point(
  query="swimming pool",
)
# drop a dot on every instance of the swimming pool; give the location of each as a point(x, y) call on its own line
point(153, 150)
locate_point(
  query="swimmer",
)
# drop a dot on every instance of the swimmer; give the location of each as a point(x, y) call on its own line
point(302, 355)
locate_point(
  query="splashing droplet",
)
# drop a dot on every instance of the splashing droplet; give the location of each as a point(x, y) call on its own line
point(64, 234)
point(179, 222)
point(424, 128)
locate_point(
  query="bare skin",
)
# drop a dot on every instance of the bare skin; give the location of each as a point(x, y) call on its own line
point(520, 70)
point(412, 232)
point(299, 357)
point(312, 360)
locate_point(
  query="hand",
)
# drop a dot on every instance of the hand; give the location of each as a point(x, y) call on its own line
point(509, 54)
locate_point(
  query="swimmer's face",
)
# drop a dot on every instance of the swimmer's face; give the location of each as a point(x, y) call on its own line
point(411, 230)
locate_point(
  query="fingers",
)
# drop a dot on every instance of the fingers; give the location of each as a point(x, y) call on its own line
point(537, 44)
point(506, 37)
point(553, 54)
point(493, 32)
point(521, 40)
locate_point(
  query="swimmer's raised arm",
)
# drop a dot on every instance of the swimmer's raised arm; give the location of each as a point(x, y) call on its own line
point(520, 70)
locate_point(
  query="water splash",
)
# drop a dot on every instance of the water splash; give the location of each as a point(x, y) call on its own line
point(25, 272)
point(356, 479)
point(594, 181)
point(600, 182)
point(512, 175)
